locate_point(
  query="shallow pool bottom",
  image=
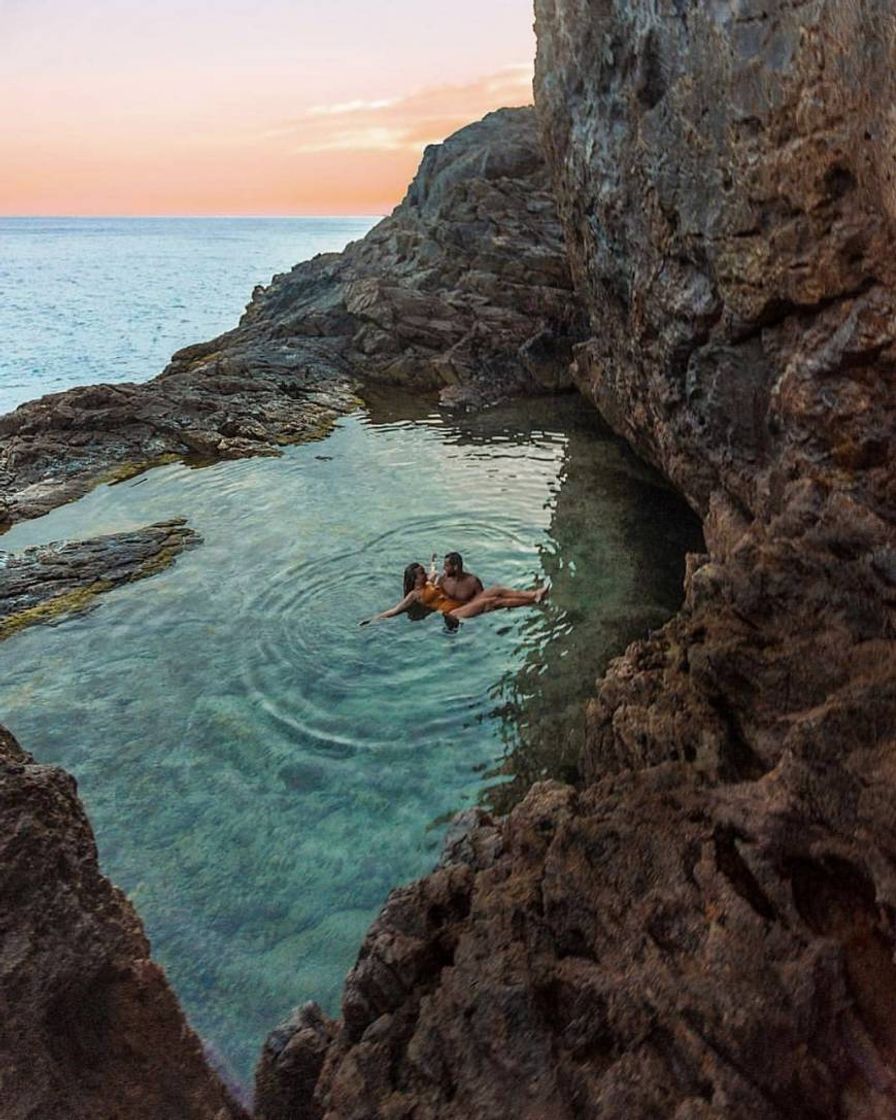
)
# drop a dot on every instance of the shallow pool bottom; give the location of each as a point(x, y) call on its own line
point(259, 770)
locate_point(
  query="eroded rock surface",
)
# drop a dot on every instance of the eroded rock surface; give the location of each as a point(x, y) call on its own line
point(464, 288)
point(643, 948)
point(65, 577)
point(90, 1028)
point(733, 234)
point(707, 927)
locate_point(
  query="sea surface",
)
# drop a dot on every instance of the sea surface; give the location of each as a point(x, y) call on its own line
point(259, 770)
point(87, 300)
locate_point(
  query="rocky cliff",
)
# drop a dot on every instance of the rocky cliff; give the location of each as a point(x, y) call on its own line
point(707, 927)
point(464, 288)
point(89, 1027)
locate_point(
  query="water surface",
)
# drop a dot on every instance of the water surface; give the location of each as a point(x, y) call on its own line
point(87, 300)
point(258, 769)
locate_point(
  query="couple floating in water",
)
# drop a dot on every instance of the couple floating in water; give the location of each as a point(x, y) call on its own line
point(456, 594)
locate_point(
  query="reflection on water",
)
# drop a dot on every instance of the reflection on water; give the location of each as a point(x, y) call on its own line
point(259, 770)
point(614, 554)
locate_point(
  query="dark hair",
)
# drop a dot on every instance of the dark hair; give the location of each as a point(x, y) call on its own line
point(456, 559)
point(410, 576)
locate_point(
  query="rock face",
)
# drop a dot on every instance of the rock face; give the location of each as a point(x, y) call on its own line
point(464, 288)
point(65, 577)
point(90, 1027)
point(642, 948)
point(733, 235)
point(707, 927)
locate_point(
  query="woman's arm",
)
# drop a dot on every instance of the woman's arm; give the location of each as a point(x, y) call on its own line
point(431, 576)
point(399, 608)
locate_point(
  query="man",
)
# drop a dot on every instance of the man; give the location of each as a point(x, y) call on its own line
point(455, 582)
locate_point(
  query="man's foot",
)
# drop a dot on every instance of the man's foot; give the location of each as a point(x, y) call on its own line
point(451, 622)
point(542, 593)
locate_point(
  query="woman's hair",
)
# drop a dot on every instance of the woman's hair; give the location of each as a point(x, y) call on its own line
point(410, 576)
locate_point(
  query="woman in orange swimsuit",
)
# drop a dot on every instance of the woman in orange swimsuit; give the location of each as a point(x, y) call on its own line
point(420, 589)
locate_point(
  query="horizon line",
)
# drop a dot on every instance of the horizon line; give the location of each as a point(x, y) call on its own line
point(223, 217)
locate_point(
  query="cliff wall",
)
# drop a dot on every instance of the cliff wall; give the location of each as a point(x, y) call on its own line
point(705, 928)
point(725, 178)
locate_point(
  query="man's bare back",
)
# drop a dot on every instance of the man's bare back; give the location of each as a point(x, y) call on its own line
point(456, 583)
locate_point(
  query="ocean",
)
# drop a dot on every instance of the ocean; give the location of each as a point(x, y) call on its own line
point(87, 300)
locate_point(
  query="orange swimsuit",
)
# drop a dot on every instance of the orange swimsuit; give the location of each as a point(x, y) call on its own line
point(436, 599)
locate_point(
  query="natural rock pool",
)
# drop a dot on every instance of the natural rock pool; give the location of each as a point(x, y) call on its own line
point(258, 769)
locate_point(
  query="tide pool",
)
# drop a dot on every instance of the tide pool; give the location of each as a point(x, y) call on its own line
point(259, 770)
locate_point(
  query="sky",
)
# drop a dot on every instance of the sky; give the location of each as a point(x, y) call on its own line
point(237, 107)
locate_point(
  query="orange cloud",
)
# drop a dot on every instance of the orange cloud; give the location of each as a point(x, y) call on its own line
point(407, 123)
point(348, 157)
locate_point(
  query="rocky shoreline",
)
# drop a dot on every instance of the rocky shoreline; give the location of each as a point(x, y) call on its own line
point(463, 289)
point(705, 927)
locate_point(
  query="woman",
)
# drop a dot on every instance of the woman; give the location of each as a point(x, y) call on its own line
point(421, 589)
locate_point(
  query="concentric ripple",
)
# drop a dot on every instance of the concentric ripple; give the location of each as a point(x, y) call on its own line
point(297, 613)
point(260, 770)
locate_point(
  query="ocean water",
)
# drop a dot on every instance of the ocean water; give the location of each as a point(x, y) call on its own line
point(85, 300)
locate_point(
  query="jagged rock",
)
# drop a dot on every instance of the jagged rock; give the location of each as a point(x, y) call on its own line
point(291, 1061)
point(707, 928)
point(90, 1029)
point(54, 580)
point(646, 947)
point(733, 235)
point(464, 288)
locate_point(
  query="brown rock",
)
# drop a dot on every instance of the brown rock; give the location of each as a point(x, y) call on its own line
point(90, 1029)
point(733, 236)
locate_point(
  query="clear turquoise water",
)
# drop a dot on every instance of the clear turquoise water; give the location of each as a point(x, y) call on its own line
point(84, 300)
point(259, 770)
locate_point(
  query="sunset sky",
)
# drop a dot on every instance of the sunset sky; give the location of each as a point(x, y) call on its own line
point(239, 107)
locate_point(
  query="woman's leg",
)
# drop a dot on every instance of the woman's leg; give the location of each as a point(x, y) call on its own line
point(479, 605)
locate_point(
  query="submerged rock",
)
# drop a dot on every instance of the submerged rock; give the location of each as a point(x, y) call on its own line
point(62, 578)
point(464, 288)
point(90, 1028)
point(706, 928)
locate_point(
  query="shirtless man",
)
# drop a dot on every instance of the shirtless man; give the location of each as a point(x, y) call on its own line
point(455, 582)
